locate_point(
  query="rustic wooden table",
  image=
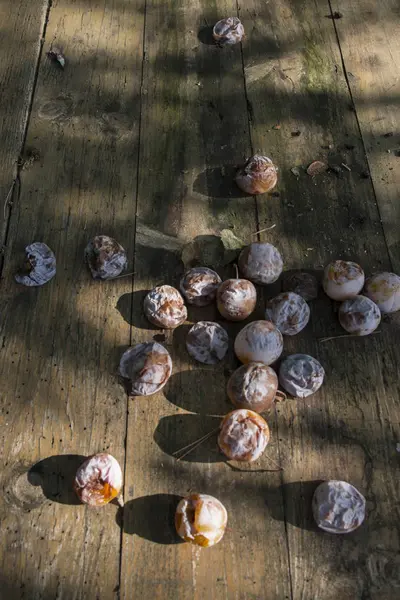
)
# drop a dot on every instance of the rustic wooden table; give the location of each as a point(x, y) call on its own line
point(137, 138)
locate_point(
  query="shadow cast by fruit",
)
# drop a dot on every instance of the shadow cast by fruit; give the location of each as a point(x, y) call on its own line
point(151, 518)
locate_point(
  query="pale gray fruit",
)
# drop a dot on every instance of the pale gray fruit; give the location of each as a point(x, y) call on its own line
point(343, 279)
point(106, 258)
point(228, 31)
point(260, 263)
point(301, 375)
point(199, 286)
point(338, 507)
point(384, 290)
point(359, 315)
point(39, 266)
point(147, 367)
point(207, 342)
point(259, 341)
point(289, 312)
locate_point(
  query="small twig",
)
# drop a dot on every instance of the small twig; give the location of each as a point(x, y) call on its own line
point(275, 463)
point(280, 396)
point(262, 230)
point(120, 276)
point(195, 444)
point(7, 202)
point(346, 167)
point(345, 335)
point(237, 271)
point(253, 470)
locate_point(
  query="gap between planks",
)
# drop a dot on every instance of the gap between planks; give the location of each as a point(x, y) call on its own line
point(16, 182)
point(359, 128)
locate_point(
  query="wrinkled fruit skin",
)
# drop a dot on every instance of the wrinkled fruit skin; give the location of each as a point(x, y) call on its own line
point(228, 31)
point(301, 283)
point(106, 258)
point(98, 480)
point(253, 387)
point(39, 266)
point(207, 342)
point(147, 367)
point(201, 520)
point(359, 315)
point(301, 375)
point(384, 290)
point(261, 263)
point(236, 299)
point(199, 286)
point(338, 507)
point(258, 176)
point(259, 341)
point(164, 307)
point(343, 279)
point(243, 435)
point(289, 312)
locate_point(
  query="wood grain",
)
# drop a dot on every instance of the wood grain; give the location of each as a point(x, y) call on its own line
point(61, 343)
point(369, 36)
point(21, 30)
point(194, 131)
point(147, 153)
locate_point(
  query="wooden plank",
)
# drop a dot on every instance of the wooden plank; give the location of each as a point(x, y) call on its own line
point(21, 30)
point(365, 563)
point(194, 130)
point(61, 343)
point(369, 36)
point(302, 111)
point(295, 83)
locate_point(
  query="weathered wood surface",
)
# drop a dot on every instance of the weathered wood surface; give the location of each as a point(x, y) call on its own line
point(194, 131)
point(60, 344)
point(369, 36)
point(295, 83)
point(21, 28)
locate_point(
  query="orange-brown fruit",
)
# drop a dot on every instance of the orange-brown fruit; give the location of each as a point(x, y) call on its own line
point(164, 307)
point(236, 299)
point(201, 520)
point(257, 176)
point(253, 386)
point(98, 480)
point(243, 435)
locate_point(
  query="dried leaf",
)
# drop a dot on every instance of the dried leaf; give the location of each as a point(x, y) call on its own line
point(212, 250)
point(316, 168)
point(205, 251)
point(295, 171)
point(56, 55)
point(232, 245)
